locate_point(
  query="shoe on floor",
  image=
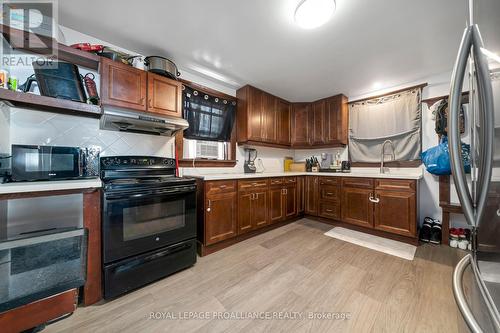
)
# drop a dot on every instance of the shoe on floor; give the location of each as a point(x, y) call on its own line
point(425, 230)
point(436, 233)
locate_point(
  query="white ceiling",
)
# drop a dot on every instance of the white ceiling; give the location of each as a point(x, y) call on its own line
point(256, 42)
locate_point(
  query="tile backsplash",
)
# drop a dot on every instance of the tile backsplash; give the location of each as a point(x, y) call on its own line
point(45, 128)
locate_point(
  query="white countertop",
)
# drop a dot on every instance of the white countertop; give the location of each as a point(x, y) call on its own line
point(413, 173)
point(58, 185)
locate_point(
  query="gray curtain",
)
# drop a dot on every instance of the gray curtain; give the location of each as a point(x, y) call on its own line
point(395, 117)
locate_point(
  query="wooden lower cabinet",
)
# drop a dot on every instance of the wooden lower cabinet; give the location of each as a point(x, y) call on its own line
point(276, 212)
point(252, 210)
point(290, 201)
point(357, 207)
point(311, 195)
point(220, 217)
point(300, 194)
point(395, 212)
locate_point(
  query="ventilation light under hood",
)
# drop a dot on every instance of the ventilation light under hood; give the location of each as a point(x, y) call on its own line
point(138, 122)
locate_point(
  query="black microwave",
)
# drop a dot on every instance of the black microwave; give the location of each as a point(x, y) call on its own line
point(32, 163)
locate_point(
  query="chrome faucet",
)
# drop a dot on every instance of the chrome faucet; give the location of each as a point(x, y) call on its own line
point(383, 154)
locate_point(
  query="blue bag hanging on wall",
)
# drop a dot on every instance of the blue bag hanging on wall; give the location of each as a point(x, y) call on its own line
point(437, 159)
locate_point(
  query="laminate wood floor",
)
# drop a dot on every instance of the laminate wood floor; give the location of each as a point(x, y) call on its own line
point(291, 271)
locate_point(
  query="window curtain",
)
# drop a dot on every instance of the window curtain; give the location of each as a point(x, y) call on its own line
point(210, 118)
point(396, 117)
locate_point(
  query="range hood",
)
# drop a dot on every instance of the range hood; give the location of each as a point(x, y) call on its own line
point(139, 122)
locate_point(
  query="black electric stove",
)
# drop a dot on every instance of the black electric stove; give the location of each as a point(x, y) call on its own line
point(148, 221)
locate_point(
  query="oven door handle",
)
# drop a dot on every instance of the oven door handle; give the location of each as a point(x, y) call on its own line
point(177, 190)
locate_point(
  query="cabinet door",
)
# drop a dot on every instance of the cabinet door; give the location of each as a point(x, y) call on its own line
point(164, 95)
point(311, 195)
point(220, 217)
point(255, 114)
point(300, 194)
point(276, 204)
point(336, 116)
point(317, 125)
point(300, 124)
point(270, 118)
point(356, 206)
point(283, 115)
point(290, 201)
point(123, 85)
point(396, 212)
point(245, 212)
point(259, 209)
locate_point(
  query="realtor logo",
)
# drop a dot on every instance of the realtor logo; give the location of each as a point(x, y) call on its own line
point(30, 32)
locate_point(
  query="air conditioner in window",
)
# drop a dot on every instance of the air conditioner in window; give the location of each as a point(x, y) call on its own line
point(207, 149)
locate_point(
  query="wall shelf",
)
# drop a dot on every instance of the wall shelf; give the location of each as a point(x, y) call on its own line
point(37, 102)
point(37, 45)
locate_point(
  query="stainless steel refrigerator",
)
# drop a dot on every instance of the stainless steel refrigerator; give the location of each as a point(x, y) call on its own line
point(476, 278)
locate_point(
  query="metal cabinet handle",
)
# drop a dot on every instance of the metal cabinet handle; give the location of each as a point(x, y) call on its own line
point(374, 200)
point(329, 193)
point(141, 101)
point(222, 186)
point(209, 208)
point(457, 79)
point(329, 210)
point(150, 104)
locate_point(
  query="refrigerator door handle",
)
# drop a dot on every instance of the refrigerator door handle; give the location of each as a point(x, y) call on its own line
point(455, 143)
point(485, 92)
point(458, 291)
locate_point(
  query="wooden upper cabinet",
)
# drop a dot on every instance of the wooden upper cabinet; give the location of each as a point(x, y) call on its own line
point(123, 85)
point(164, 95)
point(300, 124)
point(262, 118)
point(283, 110)
point(270, 118)
point(336, 120)
point(317, 121)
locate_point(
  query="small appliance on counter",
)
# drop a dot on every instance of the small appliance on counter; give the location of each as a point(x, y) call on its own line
point(33, 163)
point(287, 163)
point(250, 157)
point(346, 166)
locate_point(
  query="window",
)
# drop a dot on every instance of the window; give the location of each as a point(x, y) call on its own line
point(396, 117)
point(209, 140)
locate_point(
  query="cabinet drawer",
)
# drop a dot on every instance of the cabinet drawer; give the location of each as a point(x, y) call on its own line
point(290, 180)
point(329, 192)
point(220, 186)
point(395, 184)
point(357, 182)
point(276, 181)
point(329, 209)
point(328, 180)
point(251, 184)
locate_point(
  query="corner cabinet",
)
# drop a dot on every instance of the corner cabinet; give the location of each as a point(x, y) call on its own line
point(124, 86)
point(321, 124)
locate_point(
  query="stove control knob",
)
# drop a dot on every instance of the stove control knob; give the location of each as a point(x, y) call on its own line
point(107, 162)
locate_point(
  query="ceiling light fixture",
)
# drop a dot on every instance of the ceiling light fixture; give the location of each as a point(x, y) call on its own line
point(311, 14)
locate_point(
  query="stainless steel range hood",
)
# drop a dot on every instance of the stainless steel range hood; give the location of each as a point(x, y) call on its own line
point(139, 122)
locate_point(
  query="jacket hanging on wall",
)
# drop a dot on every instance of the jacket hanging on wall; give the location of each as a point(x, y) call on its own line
point(210, 118)
point(442, 118)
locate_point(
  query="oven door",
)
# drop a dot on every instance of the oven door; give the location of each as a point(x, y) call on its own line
point(134, 223)
point(31, 163)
